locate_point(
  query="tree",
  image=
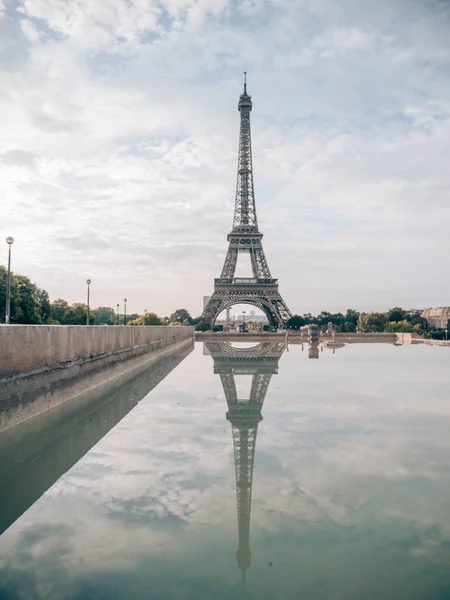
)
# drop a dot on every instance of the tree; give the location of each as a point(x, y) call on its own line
point(324, 318)
point(337, 320)
point(28, 303)
point(136, 322)
point(45, 308)
point(396, 314)
point(362, 322)
point(58, 310)
point(351, 316)
point(3, 276)
point(104, 315)
point(149, 318)
point(76, 315)
point(25, 306)
point(416, 319)
point(152, 318)
point(295, 322)
point(371, 322)
point(437, 334)
point(403, 326)
point(132, 316)
point(202, 326)
point(180, 315)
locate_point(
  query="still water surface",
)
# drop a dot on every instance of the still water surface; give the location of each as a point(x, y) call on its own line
point(340, 491)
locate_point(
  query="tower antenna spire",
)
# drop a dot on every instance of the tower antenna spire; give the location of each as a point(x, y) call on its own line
point(245, 82)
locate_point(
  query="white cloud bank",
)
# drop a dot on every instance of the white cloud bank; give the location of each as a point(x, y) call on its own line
point(119, 140)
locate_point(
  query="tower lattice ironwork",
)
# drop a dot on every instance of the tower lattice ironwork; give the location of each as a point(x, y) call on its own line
point(261, 362)
point(260, 290)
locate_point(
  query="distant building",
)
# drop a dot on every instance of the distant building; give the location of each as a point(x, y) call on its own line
point(253, 326)
point(255, 318)
point(260, 319)
point(437, 318)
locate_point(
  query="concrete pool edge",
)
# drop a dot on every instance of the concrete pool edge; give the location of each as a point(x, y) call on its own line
point(25, 396)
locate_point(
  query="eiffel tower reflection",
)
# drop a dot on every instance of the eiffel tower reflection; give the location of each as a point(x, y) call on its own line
point(261, 362)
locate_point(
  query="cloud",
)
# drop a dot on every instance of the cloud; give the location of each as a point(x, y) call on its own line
point(14, 50)
point(18, 158)
point(127, 112)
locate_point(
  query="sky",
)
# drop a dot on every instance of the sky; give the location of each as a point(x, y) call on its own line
point(118, 147)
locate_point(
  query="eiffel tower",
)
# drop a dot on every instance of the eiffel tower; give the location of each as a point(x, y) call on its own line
point(261, 290)
point(261, 362)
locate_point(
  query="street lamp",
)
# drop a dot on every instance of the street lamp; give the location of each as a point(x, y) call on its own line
point(124, 311)
point(88, 281)
point(118, 307)
point(10, 242)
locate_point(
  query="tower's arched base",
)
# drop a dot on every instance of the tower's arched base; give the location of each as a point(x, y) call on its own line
point(261, 293)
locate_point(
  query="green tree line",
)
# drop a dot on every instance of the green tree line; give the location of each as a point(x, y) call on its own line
point(394, 320)
point(29, 304)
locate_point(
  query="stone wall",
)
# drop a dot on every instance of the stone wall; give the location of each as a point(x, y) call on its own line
point(26, 349)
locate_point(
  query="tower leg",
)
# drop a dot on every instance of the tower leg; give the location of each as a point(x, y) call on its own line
point(229, 266)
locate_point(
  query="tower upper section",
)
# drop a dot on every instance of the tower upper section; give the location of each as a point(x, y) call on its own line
point(245, 211)
point(245, 101)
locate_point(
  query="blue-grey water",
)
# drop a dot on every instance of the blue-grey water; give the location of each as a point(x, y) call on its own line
point(350, 486)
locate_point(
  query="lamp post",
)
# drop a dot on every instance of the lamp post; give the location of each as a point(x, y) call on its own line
point(117, 321)
point(10, 242)
point(124, 311)
point(88, 281)
point(243, 320)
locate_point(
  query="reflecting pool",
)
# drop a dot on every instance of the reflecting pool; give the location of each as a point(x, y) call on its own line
point(250, 471)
